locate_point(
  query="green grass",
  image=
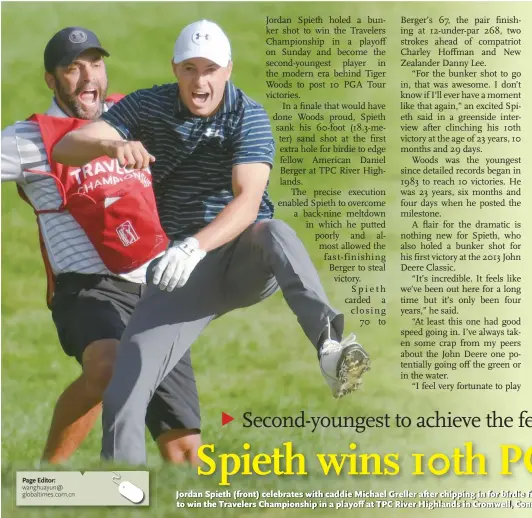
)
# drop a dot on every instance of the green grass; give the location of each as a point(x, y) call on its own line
point(250, 360)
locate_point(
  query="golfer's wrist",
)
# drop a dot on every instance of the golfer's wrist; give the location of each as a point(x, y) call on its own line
point(192, 242)
point(107, 147)
point(188, 245)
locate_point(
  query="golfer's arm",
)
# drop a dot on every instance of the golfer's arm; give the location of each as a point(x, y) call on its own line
point(85, 144)
point(249, 183)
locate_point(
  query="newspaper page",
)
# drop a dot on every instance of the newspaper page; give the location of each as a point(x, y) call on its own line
point(403, 149)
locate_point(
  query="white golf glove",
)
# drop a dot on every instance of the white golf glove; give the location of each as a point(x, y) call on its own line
point(176, 265)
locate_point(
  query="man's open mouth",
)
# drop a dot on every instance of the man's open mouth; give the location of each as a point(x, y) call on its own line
point(88, 97)
point(200, 97)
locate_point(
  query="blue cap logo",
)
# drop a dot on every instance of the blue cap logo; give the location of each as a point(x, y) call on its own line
point(77, 37)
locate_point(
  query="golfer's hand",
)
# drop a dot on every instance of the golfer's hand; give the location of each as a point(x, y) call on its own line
point(130, 154)
point(176, 265)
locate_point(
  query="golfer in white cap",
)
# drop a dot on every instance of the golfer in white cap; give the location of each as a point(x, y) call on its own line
point(212, 150)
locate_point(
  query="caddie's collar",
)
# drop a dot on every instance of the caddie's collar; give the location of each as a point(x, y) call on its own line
point(55, 110)
point(229, 103)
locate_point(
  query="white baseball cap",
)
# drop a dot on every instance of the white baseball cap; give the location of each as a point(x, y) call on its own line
point(203, 39)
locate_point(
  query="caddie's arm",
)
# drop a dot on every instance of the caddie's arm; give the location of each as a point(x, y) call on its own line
point(249, 182)
point(103, 138)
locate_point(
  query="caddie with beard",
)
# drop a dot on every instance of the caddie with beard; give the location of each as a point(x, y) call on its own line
point(93, 252)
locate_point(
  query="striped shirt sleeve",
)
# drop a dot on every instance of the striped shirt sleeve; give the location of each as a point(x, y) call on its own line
point(11, 163)
point(125, 116)
point(253, 141)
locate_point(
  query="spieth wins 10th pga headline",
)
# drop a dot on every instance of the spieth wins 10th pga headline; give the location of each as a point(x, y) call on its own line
point(463, 462)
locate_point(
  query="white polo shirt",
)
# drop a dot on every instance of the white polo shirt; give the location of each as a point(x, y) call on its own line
point(68, 247)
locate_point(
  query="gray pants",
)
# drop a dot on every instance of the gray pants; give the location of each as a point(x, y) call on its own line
point(266, 256)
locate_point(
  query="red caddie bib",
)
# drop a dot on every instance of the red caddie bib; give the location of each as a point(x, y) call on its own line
point(114, 206)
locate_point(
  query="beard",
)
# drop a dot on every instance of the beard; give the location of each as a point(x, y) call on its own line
point(73, 104)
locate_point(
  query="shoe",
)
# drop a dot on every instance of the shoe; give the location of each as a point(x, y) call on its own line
point(343, 364)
